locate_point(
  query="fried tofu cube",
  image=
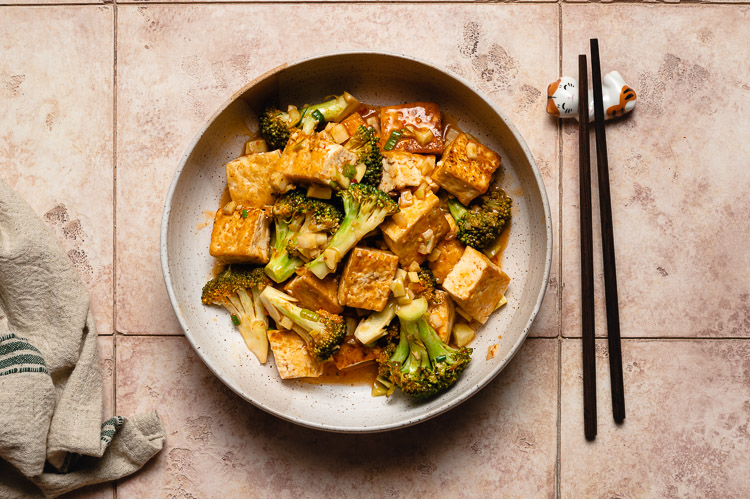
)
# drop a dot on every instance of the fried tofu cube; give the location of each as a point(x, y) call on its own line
point(405, 234)
point(352, 122)
point(441, 315)
point(404, 169)
point(291, 356)
point(466, 168)
point(314, 159)
point(351, 353)
point(249, 179)
point(366, 280)
point(476, 284)
point(451, 251)
point(422, 116)
point(314, 293)
point(241, 239)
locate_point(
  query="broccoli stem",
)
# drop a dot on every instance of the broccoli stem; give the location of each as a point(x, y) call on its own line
point(433, 343)
point(282, 265)
point(402, 350)
point(332, 110)
point(457, 209)
point(342, 241)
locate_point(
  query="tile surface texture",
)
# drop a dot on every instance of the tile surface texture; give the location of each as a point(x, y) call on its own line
point(678, 178)
point(56, 76)
point(686, 427)
point(170, 81)
point(502, 442)
point(679, 175)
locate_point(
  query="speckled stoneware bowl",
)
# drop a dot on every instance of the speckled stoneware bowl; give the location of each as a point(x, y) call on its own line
point(197, 187)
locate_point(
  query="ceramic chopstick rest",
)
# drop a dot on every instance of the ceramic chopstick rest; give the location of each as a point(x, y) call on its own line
point(562, 97)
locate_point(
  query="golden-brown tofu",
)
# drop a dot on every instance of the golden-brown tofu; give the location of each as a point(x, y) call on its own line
point(314, 293)
point(352, 122)
point(236, 239)
point(404, 169)
point(476, 284)
point(366, 280)
point(351, 353)
point(314, 159)
point(450, 253)
point(249, 179)
point(466, 168)
point(291, 356)
point(420, 115)
point(441, 315)
point(405, 234)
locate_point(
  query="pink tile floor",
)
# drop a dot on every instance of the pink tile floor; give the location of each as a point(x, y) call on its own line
point(98, 102)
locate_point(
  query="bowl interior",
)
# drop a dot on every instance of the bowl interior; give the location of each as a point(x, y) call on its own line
point(196, 192)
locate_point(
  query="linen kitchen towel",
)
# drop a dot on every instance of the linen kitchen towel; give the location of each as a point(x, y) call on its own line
point(52, 439)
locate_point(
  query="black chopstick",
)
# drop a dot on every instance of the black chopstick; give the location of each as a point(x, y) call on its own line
point(608, 244)
point(587, 255)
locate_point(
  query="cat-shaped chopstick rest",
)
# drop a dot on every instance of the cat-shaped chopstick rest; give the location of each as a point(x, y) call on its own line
point(562, 97)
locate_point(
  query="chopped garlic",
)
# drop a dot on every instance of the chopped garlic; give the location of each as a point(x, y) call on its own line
point(421, 191)
point(339, 133)
point(229, 208)
point(398, 289)
point(414, 267)
point(319, 192)
point(463, 334)
point(435, 320)
point(413, 276)
point(500, 303)
point(255, 146)
point(472, 151)
point(374, 122)
point(434, 255)
point(286, 322)
point(400, 274)
point(399, 218)
point(406, 200)
point(329, 257)
point(492, 351)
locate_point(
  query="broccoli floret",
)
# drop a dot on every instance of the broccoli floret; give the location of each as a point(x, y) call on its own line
point(421, 364)
point(364, 143)
point(426, 285)
point(275, 125)
point(322, 331)
point(375, 326)
point(303, 228)
point(365, 207)
point(481, 224)
point(238, 289)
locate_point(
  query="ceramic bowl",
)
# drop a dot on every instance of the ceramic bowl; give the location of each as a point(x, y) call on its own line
point(196, 192)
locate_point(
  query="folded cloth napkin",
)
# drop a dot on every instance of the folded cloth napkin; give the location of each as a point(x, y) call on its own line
point(52, 439)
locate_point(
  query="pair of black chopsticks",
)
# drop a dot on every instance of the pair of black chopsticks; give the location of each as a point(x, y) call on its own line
point(587, 250)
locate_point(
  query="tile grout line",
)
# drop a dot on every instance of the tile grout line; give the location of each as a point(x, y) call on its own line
point(114, 217)
point(390, 2)
point(558, 466)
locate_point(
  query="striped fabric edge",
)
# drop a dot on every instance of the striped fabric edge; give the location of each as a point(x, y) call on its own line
point(109, 429)
point(17, 355)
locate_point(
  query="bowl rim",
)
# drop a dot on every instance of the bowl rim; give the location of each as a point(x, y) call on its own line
point(469, 392)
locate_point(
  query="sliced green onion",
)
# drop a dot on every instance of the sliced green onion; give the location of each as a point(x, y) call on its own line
point(349, 171)
point(440, 358)
point(301, 115)
point(309, 315)
point(244, 213)
point(333, 184)
point(236, 320)
point(391, 142)
point(318, 116)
